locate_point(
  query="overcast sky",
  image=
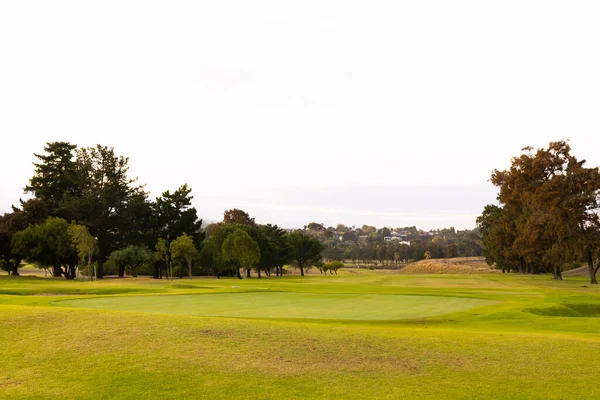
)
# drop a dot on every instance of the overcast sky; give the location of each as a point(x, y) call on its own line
point(377, 112)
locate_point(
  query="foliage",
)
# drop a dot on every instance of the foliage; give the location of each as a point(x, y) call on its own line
point(305, 250)
point(332, 267)
point(86, 244)
point(131, 259)
point(235, 216)
point(240, 249)
point(547, 215)
point(183, 249)
point(48, 244)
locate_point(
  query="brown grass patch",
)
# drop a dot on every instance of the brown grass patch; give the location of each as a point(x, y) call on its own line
point(463, 265)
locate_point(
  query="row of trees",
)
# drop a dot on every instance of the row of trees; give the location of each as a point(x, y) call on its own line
point(547, 216)
point(238, 245)
point(393, 253)
point(91, 188)
point(86, 211)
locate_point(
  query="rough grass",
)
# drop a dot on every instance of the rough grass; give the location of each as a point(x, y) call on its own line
point(499, 350)
point(466, 265)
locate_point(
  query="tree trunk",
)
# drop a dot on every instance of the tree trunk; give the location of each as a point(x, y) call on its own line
point(258, 270)
point(592, 270)
point(121, 271)
point(156, 271)
point(57, 272)
point(190, 267)
point(557, 273)
point(14, 269)
point(248, 273)
point(70, 272)
point(237, 272)
point(301, 270)
point(100, 270)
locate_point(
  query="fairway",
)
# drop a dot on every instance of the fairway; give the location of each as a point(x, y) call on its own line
point(366, 307)
point(358, 335)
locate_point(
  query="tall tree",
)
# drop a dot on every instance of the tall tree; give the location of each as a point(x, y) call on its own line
point(275, 250)
point(306, 250)
point(174, 215)
point(104, 193)
point(55, 176)
point(548, 212)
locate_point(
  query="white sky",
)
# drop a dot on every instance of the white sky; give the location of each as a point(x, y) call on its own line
point(377, 112)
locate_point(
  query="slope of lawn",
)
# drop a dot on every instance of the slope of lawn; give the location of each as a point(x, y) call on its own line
point(524, 338)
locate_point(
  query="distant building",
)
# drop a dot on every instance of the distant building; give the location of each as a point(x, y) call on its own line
point(399, 239)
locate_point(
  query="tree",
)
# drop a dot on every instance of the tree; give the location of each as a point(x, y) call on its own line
point(104, 191)
point(11, 223)
point(55, 176)
point(86, 244)
point(131, 258)
point(240, 249)
point(333, 266)
point(48, 244)
point(547, 214)
point(275, 251)
point(183, 248)
point(305, 250)
point(174, 216)
point(235, 216)
point(162, 253)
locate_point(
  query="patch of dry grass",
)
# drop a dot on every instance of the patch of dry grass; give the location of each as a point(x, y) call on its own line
point(463, 265)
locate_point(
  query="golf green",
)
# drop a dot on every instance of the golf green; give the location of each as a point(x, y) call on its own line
point(284, 305)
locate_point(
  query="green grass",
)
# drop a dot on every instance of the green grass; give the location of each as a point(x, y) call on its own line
point(374, 334)
point(286, 305)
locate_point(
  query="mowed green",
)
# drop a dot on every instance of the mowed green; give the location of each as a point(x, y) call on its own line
point(282, 305)
point(352, 336)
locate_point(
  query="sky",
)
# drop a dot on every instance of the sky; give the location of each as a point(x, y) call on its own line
point(387, 113)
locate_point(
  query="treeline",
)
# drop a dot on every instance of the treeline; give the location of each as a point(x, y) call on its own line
point(547, 216)
point(88, 214)
point(238, 245)
point(393, 246)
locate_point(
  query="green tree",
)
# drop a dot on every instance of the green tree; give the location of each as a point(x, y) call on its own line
point(86, 244)
point(183, 248)
point(162, 253)
point(305, 250)
point(275, 251)
point(240, 249)
point(131, 258)
point(55, 176)
point(333, 266)
point(48, 244)
point(105, 191)
point(174, 216)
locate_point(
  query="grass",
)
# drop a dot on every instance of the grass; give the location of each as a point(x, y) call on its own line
point(286, 305)
point(371, 334)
